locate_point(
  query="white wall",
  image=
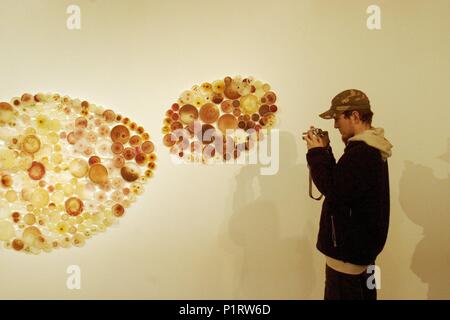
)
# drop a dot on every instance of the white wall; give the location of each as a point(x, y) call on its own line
point(226, 231)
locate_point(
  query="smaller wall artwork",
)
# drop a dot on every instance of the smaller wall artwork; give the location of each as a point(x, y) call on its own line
point(219, 120)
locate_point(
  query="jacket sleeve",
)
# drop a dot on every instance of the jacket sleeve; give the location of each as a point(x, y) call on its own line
point(343, 181)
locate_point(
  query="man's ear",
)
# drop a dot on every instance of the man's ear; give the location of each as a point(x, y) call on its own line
point(356, 116)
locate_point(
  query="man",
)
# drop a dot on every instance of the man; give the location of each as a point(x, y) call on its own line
point(355, 213)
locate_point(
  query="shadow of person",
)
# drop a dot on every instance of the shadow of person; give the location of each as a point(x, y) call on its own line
point(273, 226)
point(425, 200)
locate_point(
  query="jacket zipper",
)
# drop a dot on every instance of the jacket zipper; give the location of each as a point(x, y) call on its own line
point(333, 232)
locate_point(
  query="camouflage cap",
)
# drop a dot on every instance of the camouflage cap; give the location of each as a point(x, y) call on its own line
point(351, 99)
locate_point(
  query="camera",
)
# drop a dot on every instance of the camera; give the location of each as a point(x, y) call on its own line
point(320, 134)
point(317, 132)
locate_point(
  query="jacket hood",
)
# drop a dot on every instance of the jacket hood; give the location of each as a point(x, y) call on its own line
point(374, 137)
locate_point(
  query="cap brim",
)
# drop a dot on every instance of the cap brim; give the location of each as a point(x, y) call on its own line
point(328, 114)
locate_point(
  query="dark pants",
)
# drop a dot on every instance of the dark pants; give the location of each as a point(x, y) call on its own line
point(342, 286)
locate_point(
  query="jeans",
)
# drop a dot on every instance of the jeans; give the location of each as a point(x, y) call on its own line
point(342, 286)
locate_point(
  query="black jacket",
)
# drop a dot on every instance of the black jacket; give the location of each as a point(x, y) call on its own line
point(355, 213)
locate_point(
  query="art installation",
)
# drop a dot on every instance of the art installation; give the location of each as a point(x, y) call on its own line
point(69, 169)
point(219, 121)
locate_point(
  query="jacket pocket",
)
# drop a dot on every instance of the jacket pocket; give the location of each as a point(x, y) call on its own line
point(333, 231)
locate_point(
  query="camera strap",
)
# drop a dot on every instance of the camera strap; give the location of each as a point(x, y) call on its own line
point(310, 188)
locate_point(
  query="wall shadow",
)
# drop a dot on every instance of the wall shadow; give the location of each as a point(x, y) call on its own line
point(271, 230)
point(425, 200)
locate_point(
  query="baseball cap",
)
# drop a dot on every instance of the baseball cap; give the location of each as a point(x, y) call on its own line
point(351, 99)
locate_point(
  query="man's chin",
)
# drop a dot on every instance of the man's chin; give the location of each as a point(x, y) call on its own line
point(346, 138)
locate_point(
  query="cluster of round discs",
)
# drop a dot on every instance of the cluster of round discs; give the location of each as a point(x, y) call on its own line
point(219, 120)
point(68, 169)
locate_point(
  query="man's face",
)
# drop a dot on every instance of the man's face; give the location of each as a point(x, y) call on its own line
point(345, 126)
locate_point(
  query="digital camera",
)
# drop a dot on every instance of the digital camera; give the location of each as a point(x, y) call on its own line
point(318, 133)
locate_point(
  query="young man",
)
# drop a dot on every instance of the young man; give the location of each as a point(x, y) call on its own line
point(355, 213)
